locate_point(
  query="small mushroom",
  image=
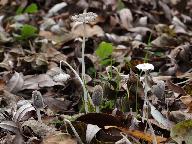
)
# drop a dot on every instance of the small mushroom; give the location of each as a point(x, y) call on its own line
point(97, 97)
point(38, 103)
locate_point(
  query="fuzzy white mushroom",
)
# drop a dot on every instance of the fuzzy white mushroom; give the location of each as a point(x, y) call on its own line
point(145, 67)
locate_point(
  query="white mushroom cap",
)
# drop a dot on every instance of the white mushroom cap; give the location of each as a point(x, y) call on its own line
point(145, 67)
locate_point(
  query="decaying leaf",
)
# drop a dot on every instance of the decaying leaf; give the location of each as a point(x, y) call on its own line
point(91, 132)
point(16, 82)
point(10, 126)
point(39, 128)
point(23, 113)
point(159, 89)
point(126, 18)
point(175, 88)
point(187, 100)
point(59, 138)
point(160, 118)
point(57, 105)
point(140, 135)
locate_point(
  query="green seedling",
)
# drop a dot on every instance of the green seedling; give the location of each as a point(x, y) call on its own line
point(31, 9)
point(27, 31)
point(104, 52)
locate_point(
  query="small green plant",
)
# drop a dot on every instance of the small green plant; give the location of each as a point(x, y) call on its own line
point(104, 52)
point(32, 8)
point(120, 5)
point(27, 31)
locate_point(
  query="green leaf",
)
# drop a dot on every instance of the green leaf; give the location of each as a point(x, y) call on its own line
point(19, 10)
point(104, 50)
point(120, 5)
point(28, 31)
point(32, 8)
point(106, 62)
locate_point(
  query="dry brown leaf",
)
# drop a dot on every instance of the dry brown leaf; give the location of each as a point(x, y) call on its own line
point(175, 88)
point(59, 138)
point(37, 81)
point(140, 135)
point(187, 100)
point(56, 105)
point(2, 86)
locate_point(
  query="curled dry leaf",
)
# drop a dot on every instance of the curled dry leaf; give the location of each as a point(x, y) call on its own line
point(126, 18)
point(23, 113)
point(56, 8)
point(10, 126)
point(91, 132)
point(16, 82)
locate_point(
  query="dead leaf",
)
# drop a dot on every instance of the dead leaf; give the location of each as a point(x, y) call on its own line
point(57, 105)
point(16, 82)
point(159, 89)
point(91, 132)
point(37, 81)
point(187, 100)
point(24, 112)
point(175, 88)
point(39, 128)
point(10, 126)
point(100, 119)
point(59, 138)
point(164, 40)
point(160, 118)
point(126, 18)
point(2, 86)
point(140, 135)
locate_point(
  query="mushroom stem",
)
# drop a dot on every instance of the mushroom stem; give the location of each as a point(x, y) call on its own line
point(97, 109)
point(38, 115)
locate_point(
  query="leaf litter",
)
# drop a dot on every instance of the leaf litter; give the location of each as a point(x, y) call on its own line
point(44, 96)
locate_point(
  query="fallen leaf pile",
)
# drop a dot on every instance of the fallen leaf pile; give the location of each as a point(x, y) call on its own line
point(41, 92)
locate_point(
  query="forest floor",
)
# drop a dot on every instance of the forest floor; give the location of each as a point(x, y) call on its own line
point(95, 71)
